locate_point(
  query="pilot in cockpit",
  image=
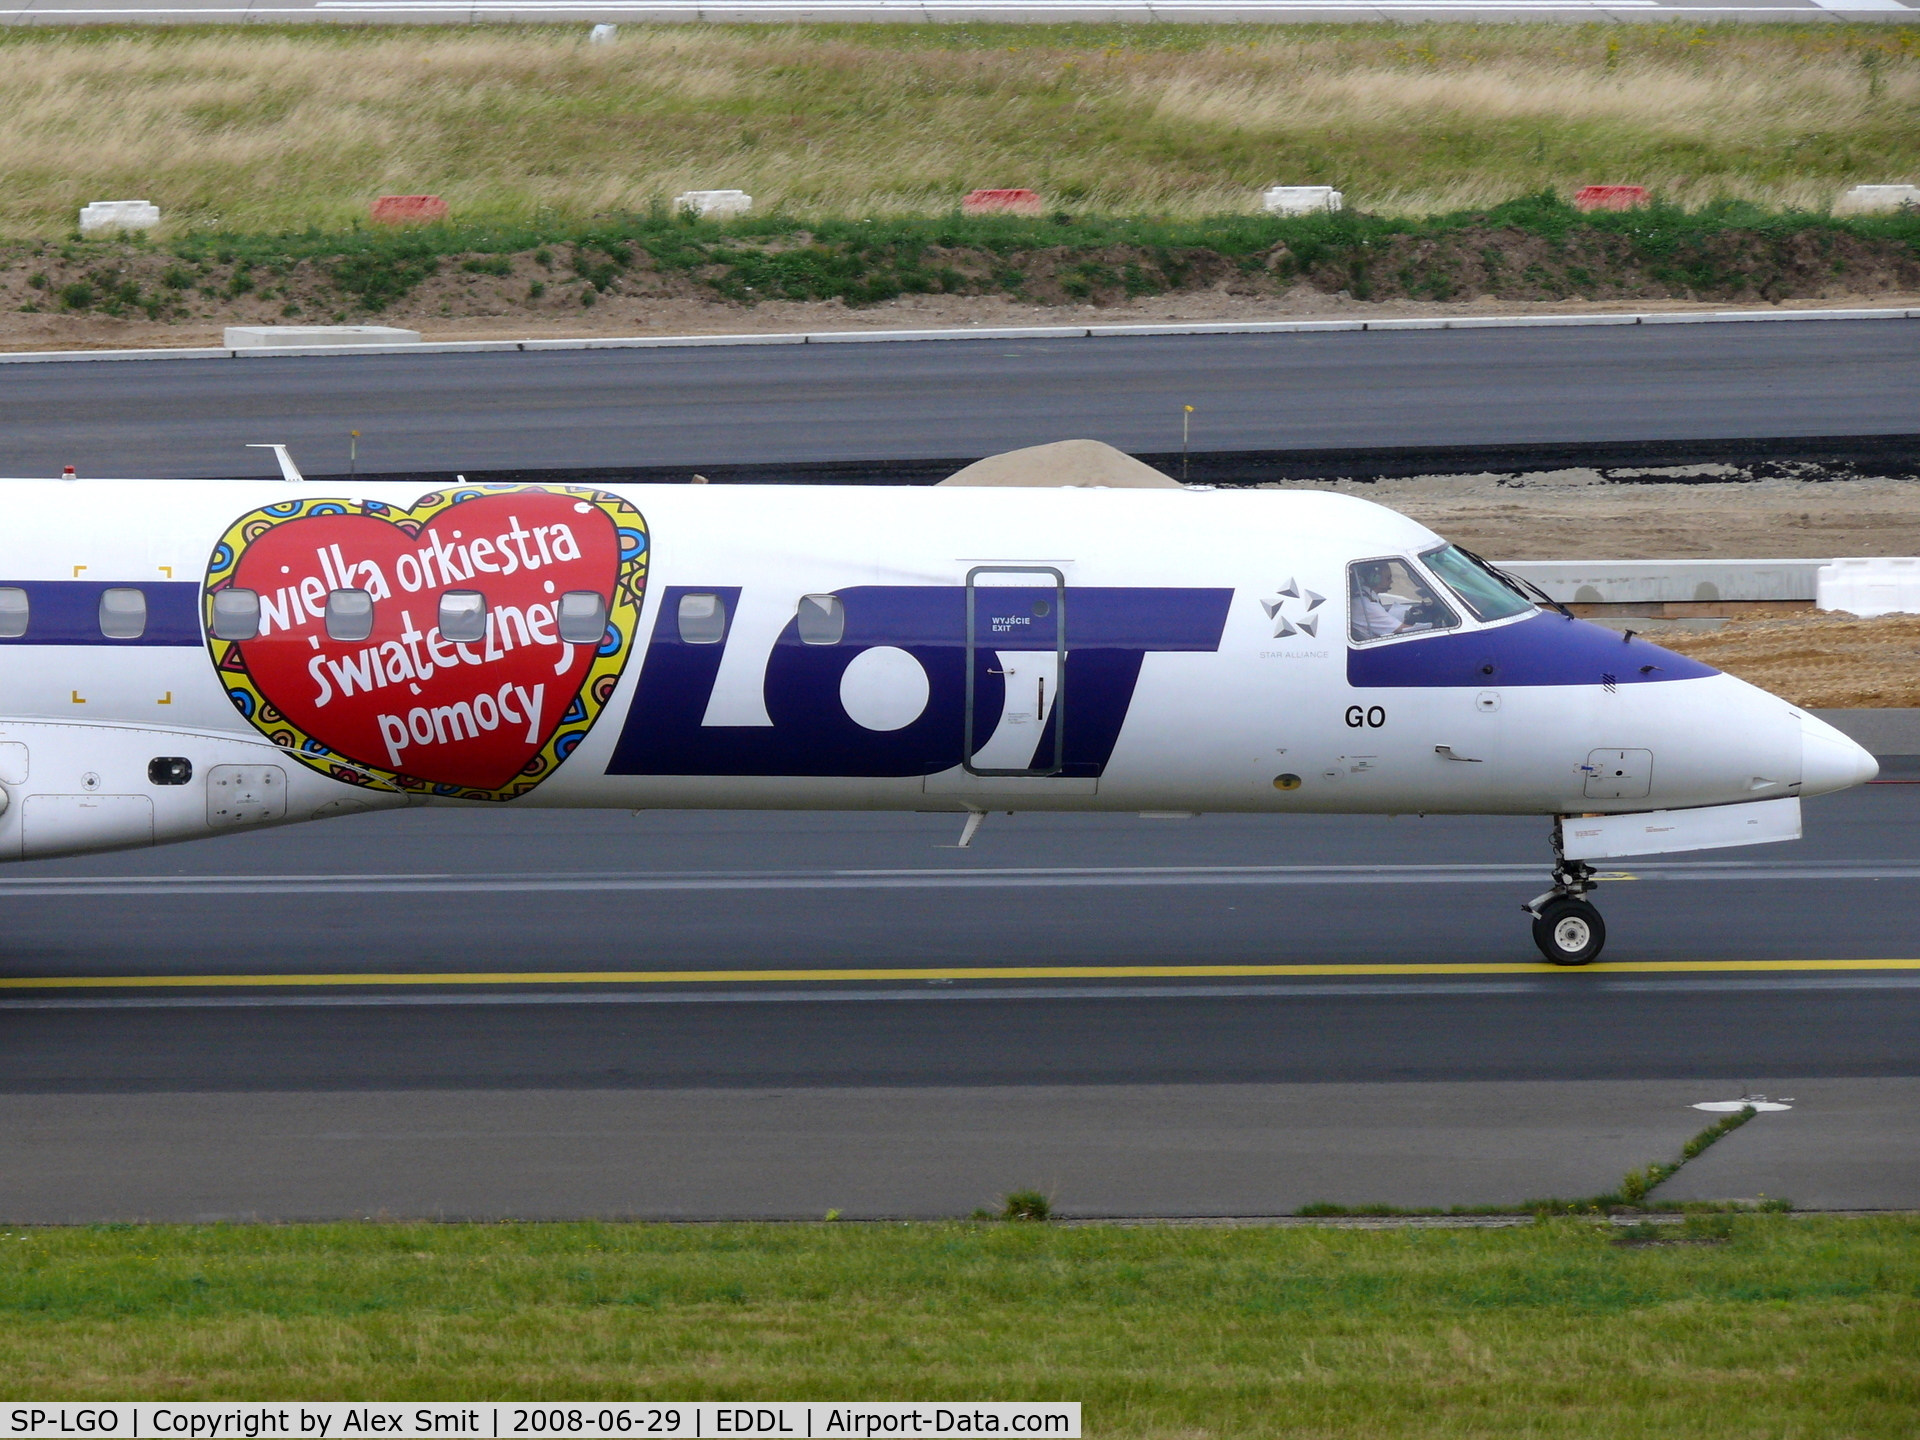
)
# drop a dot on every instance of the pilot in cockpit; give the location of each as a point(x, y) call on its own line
point(1377, 611)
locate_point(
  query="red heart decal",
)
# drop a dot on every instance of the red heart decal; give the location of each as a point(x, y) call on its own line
point(405, 708)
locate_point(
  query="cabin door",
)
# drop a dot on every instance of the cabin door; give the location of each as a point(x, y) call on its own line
point(1016, 715)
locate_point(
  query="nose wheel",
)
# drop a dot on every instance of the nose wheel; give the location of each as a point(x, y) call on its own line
point(1569, 931)
point(1566, 926)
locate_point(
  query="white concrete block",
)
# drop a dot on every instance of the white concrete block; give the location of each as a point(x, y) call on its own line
point(1300, 199)
point(714, 202)
point(104, 215)
point(251, 337)
point(1638, 582)
point(1864, 199)
point(602, 34)
point(1871, 585)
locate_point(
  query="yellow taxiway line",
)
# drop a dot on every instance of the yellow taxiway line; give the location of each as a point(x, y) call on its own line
point(983, 972)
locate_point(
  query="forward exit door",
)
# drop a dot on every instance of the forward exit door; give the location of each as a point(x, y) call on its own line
point(1016, 712)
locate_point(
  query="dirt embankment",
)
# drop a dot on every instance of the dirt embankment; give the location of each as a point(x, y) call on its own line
point(1738, 266)
point(54, 296)
point(1692, 512)
point(1817, 660)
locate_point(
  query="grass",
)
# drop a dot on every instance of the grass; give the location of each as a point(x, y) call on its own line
point(1794, 1326)
point(1533, 247)
point(269, 128)
point(1631, 1195)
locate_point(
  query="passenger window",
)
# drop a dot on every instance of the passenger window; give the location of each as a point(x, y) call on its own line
point(236, 614)
point(13, 612)
point(1481, 588)
point(463, 616)
point(823, 619)
point(703, 619)
point(123, 614)
point(349, 614)
point(1387, 597)
point(583, 617)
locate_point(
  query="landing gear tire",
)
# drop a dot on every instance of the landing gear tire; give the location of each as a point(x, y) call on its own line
point(1569, 931)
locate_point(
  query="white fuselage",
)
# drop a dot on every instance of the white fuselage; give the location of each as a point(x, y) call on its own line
point(1205, 663)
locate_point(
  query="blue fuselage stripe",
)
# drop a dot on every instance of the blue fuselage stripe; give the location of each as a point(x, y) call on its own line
point(67, 612)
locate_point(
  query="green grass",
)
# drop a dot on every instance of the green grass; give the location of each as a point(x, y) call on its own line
point(268, 128)
point(1776, 1326)
point(263, 147)
point(1534, 247)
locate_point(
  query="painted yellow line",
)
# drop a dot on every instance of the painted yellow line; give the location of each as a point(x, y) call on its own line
point(983, 972)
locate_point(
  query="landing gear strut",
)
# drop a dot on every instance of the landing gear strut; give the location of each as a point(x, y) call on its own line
point(1566, 926)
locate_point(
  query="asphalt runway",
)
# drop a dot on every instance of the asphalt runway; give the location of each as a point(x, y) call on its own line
point(772, 404)
point(1158, 1095)
point(1391, 1037)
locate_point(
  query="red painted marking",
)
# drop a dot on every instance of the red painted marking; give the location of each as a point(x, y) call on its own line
point(409, 209)
point(1001, 202)
point(1610, 197)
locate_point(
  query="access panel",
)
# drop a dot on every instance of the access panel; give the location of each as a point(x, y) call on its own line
point(1619, 774)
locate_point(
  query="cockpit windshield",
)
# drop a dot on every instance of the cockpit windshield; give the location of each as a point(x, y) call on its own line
point(1482, 591)
point(1389, 597)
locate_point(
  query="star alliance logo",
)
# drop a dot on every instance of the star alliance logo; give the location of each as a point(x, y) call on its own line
point(1306, 623)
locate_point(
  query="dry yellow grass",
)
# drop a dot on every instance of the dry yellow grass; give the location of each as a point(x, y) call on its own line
point(1817, 660)
point(271, 128)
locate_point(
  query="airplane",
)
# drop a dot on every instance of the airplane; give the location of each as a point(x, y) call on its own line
point(1056, 629)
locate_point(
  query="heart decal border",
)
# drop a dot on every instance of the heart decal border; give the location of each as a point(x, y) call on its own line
point(584, 707)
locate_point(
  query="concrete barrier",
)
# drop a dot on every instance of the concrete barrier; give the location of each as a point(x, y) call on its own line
point(108, 215)
point(1009, 332)
point(1300, 199)
point(1870, 585)
point(252, 337)
point(1646, 584)
point(1001, 202)
point(1610, 197)
point(717, 203)
point(1867, 199)
point(408, 209)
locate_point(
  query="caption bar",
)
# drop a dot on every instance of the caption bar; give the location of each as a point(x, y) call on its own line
point(345, 1420)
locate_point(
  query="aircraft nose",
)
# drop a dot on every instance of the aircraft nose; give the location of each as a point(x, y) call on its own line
point(1830, 760)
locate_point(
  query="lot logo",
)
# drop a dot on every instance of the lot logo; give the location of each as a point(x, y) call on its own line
point(402, 707)
point(922, 630)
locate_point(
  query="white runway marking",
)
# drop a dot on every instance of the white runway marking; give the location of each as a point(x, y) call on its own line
point(1332, 989)
point(1060, 877)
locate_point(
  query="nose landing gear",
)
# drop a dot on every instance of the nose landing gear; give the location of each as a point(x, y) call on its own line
point(1566, 926)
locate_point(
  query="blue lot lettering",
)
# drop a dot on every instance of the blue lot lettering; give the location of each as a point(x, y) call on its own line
point(1109, 631)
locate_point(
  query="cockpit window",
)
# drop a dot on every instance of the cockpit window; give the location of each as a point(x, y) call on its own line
point(1388, 597)
point(1479, 588)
